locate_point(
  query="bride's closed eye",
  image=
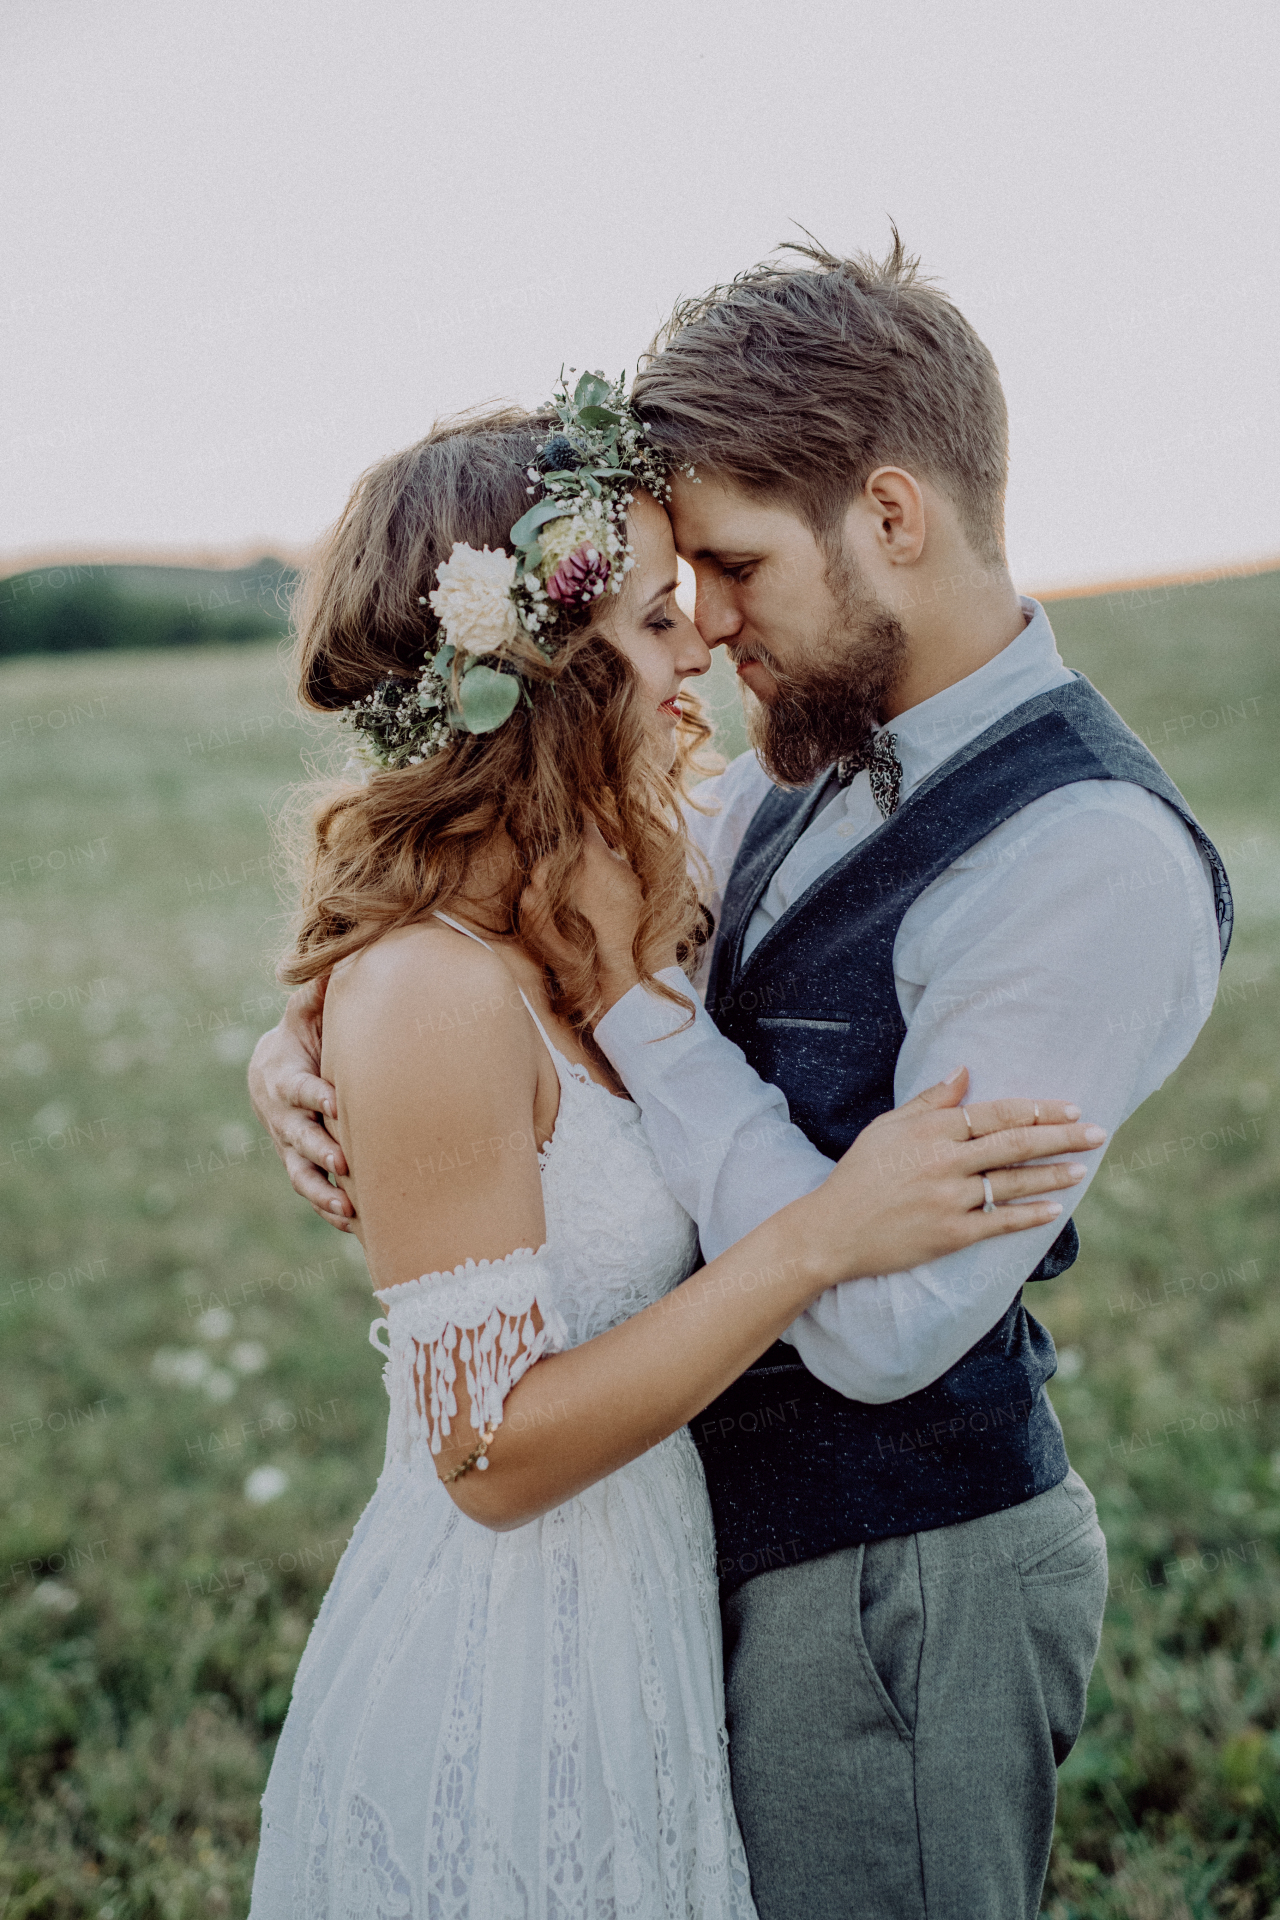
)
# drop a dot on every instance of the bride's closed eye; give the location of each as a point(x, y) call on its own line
point(662, 625)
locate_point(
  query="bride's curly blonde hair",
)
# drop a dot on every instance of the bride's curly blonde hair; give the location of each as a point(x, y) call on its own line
point(385, 854)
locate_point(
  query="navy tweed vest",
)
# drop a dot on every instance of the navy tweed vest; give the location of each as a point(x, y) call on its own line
point(794, 1468)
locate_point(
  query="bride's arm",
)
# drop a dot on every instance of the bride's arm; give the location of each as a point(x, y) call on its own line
point(439, 1080)
point(437, 1065)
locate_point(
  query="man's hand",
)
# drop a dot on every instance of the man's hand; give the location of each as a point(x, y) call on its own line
point(606, 893)
point(288, 1096)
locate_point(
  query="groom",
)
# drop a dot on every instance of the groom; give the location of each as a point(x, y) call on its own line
point(947, 848)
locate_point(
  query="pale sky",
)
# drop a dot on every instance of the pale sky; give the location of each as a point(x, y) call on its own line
point(249, 248)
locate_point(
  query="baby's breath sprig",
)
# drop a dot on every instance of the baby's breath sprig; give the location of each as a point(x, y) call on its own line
point(401, 723)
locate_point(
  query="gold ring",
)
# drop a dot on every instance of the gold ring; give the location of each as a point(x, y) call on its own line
point(988, 1198)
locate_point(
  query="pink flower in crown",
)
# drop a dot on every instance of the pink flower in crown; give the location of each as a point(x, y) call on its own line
point(580, 579)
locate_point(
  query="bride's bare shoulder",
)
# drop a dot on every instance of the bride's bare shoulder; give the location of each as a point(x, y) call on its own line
point(413, 959)
point(428, 1045)
point(426, 984)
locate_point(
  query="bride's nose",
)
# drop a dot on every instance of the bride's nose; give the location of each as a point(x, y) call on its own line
point(692, 653)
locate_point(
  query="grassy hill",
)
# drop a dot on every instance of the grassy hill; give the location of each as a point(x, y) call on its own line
point(88, 608)
point(194, 1419)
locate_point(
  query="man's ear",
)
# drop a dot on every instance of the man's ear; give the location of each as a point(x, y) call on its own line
point(891, 511)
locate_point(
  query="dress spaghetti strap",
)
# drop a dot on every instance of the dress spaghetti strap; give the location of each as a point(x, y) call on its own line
point(459, 928)
point(554, 1051)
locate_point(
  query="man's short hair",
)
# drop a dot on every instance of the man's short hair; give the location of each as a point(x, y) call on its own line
point(799, 381)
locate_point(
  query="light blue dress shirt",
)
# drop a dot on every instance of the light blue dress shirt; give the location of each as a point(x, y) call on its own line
point(1072, 954)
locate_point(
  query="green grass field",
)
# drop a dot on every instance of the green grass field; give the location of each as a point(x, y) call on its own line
point(193, 1419)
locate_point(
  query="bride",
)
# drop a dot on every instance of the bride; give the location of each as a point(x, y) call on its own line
point(511, 1700)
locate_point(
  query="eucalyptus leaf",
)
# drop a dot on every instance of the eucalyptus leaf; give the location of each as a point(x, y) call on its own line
point(444, 660)
point(527, 525)
point(592, 390)
point(596, 416)
point(487, 698)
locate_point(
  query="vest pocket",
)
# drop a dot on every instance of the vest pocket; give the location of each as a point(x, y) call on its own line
point(795, 1020)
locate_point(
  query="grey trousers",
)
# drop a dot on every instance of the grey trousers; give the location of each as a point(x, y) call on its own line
point(897, 1712)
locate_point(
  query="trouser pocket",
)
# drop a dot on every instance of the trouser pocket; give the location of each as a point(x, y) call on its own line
point(887, 1625)
point(1064, 1592)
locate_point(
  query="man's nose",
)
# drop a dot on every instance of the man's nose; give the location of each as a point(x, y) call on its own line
point(716, 617)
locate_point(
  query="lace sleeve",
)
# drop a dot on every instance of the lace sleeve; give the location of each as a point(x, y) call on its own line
point(479, 1319)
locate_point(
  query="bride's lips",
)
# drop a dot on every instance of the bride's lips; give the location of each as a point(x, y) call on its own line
point(671, 706)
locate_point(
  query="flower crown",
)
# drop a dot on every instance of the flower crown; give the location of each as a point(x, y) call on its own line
point(568, 548)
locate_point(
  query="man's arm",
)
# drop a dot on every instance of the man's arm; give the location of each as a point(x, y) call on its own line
point(288, 1096)
point(1073, 954)
point(555, 1422)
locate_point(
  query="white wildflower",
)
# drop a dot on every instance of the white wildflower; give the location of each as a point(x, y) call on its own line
point(57, 1598)
point(265, 1483)
point(180, 1369)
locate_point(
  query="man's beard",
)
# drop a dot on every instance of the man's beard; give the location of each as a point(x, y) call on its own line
point(830, 711)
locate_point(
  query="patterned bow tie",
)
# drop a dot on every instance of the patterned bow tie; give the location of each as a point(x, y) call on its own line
point(880, 757)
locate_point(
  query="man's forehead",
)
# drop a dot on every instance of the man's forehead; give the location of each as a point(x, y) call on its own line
point(712, 517)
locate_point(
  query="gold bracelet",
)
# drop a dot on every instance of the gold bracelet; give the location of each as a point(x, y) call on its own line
point(476, 1458)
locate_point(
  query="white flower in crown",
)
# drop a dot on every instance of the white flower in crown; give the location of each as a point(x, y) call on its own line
point(473, 600)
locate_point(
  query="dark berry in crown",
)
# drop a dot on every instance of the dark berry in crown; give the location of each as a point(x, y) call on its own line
point(559, 455)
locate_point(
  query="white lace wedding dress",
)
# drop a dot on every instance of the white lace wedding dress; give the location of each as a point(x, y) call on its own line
point(524, 1725)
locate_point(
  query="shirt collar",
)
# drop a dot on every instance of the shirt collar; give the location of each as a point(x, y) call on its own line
point(930, 733)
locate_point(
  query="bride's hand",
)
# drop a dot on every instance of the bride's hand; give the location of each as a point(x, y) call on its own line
point(910, 1188)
